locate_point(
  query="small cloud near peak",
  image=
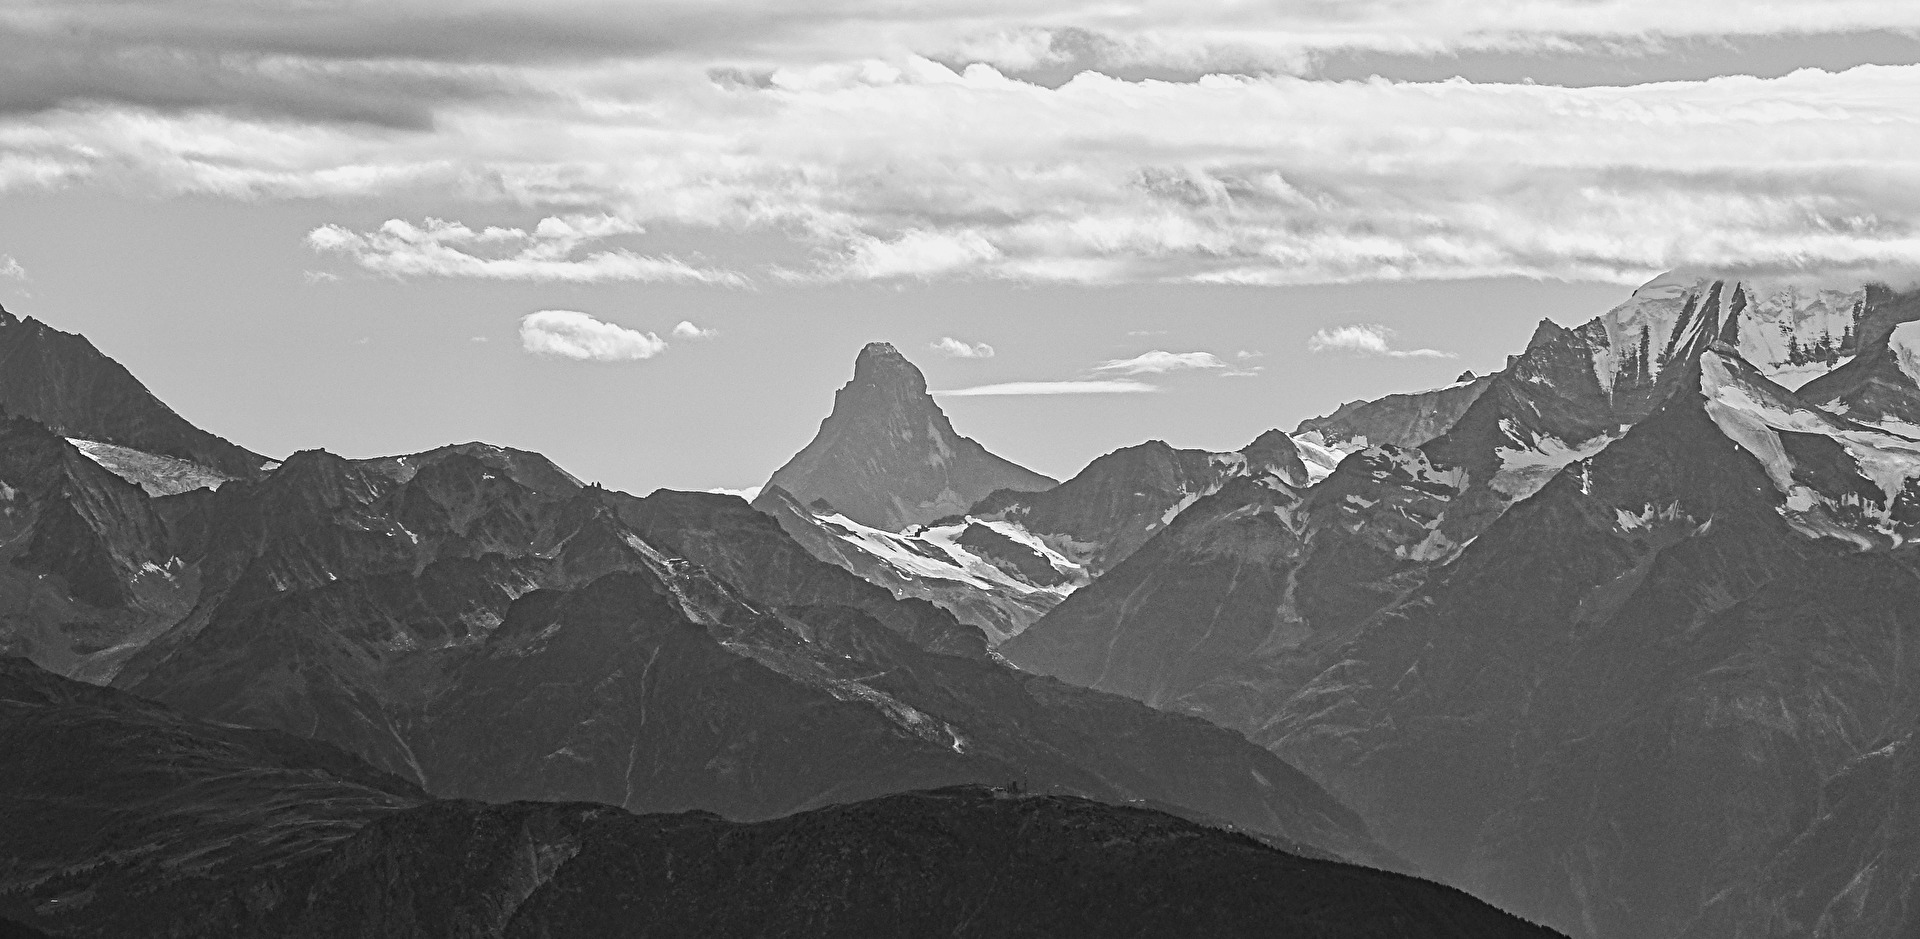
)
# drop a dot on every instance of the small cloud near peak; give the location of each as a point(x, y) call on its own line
point(961, 349)
point(1160, 361)
point(1367, 339)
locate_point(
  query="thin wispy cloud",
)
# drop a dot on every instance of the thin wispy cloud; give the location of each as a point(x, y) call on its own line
point(550, 251)
point(685, 329)
point(11, 269)
point(1078, 387)
point(1159, 362)
point(570, 334)
point(1367, 339)
point(961, 349)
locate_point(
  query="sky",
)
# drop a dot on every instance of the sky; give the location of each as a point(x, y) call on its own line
point(648, 239)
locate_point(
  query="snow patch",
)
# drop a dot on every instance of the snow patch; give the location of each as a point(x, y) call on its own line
point(155, 473)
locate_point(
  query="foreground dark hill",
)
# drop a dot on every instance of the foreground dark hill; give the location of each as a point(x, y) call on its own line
point(888, 457)
point(62, 381)
point(126, 820)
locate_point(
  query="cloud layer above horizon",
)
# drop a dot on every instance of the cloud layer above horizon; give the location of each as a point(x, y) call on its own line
point(1079, 143)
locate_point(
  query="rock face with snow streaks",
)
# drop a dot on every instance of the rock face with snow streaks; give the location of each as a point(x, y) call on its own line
point(1015, 555)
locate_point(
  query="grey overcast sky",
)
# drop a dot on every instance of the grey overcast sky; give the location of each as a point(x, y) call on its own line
point(648, 238)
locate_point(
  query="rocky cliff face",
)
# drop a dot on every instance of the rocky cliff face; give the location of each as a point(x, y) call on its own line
point(1628, 693)
point(126, 819)
point(475, 621)
point(1399, 420)
point(1593, 652)
point(89, 570)
point(1015, 555)
point(887, 456)
point(62, 381)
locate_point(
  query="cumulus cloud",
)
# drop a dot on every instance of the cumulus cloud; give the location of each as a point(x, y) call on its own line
point(550, 251)
point(10, 269)
point(1366, 339)
point(1077, 387)
point(960, 349)
point(686, 330)
point(571, 334)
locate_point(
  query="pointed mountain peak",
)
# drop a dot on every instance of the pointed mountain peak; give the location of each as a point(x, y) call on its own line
point(1546, 334)
point(64, 381)
point(888, 457)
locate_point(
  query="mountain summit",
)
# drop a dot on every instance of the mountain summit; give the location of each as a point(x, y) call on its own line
point(888, 457)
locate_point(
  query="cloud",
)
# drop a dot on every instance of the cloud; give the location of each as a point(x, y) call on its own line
point(1159, 361)
point(574, 335)
point(750, 493)
point(1366, 339)
point(1078, 387)
point(686, 330)
point(10, 269)
point(437, 248)
point(958, 349)
point(895, 142)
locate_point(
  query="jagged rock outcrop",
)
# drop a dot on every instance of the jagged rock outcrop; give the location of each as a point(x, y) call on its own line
point(1627, 694)
point(887, 456)
point(127, 820)
point(1399, 420)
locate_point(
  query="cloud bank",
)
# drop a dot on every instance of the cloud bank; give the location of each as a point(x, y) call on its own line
point(1083, 143)
point(547, 252)
point(1366, 339)
point(570, 334)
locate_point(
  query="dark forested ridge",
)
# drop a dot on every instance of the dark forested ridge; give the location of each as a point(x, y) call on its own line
point(126, 819)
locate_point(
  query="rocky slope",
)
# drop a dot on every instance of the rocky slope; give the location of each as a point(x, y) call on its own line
point(488, 639)
point(128, 820)
point(87, 567)
point(887, 457)
point(1015, 555)
point(1628, 693)
point(1400, 420)
point(62, 381)
point(474, 619)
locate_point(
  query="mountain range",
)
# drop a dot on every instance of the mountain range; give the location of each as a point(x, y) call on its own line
point(1612, 638)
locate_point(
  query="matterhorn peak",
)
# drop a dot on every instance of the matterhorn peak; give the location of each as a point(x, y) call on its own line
point(888, 457)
